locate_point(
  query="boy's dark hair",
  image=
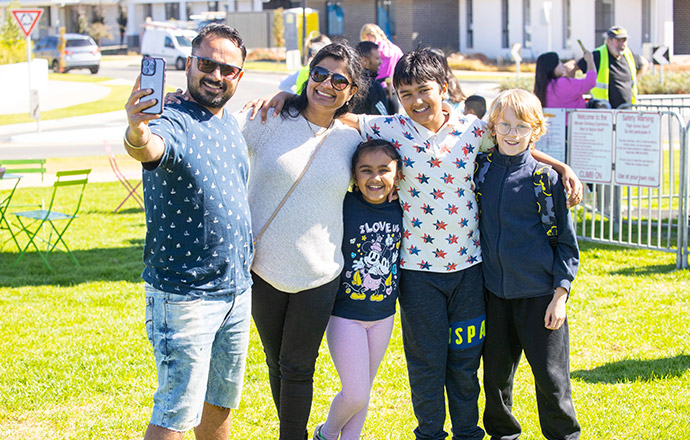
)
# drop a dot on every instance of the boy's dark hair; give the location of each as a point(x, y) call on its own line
point(219, 30)
point(419, 66)
point(375, 145)
point(455, 94)
point(339, 51)
point(364, 48)
point(477, 104)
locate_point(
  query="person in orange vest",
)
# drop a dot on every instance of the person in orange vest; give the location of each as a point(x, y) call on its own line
point(617, 69)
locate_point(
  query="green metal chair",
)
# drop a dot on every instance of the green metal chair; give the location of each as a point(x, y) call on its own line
point(23, 167)
point(33, 221)
point(5, 205)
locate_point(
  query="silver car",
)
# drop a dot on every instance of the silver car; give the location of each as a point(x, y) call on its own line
point(81, 52)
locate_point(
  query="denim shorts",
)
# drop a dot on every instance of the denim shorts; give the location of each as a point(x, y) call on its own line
point(200, 347)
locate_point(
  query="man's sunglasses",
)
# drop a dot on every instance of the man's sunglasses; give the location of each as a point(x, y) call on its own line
point(319, 74)
point(209, 66)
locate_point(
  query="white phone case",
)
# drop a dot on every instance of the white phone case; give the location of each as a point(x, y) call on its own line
point(153, 77)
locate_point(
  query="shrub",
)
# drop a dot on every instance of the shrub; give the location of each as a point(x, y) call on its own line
point(674, 83)
point(525, 82)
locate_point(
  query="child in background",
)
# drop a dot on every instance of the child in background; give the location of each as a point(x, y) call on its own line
point(362, 319)
point(527, 278)
point(475, 105)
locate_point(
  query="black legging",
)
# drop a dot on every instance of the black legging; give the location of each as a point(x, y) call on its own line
point(291, 326)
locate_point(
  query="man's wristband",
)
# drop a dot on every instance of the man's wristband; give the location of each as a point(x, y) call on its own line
point(133, 146)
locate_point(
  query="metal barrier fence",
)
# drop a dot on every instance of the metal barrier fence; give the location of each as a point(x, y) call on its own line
point(644, 217)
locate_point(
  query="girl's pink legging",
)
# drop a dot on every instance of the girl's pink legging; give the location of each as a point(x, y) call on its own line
point(357, 348)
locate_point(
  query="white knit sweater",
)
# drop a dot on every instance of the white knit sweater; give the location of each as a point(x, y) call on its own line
point(301, 248)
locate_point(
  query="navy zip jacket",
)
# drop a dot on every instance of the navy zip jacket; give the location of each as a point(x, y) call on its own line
point(518, 260)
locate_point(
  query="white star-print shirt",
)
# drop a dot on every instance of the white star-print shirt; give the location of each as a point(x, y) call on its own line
point(440, 217)
point(198, 226)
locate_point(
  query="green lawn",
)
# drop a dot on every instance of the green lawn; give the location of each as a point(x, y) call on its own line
point(75, 362)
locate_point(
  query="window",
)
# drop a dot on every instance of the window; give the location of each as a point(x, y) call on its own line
point(646, 21)
point(172, 10)
point(385, 16)
point(148, 10)
point(566, 24)
point(505, 36)
point(526, 24)
point(335, 18)
point(470, 30)
point(603, 19)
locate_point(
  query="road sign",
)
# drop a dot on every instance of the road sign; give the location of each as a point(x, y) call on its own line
point(660, 55)
point(515, 52)
point(27, 19)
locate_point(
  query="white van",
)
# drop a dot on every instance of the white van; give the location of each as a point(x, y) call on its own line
point(173, 44)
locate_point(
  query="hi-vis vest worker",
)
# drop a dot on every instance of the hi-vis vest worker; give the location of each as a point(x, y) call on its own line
point(601, 90)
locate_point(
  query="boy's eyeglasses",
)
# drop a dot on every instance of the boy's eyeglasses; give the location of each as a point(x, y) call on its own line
point(503, 128)
point(209, 66)
point(320, 74)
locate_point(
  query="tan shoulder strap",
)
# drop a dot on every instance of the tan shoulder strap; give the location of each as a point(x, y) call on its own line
point(292, 188)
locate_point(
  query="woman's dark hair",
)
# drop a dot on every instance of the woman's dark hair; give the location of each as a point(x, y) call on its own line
point(419, 66)
point(375, 145)
point(296, 104)
point(455, 94)
point(546, 65)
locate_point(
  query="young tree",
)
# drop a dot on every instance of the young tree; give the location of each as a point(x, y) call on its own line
point(12, 41)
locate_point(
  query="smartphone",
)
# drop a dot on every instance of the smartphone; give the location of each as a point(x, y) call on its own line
point(153, 77)
point(582, 46)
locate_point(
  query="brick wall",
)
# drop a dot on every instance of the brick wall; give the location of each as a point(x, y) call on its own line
point(416, 21)
point(437, 26)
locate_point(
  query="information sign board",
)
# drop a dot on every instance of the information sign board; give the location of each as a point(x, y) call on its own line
point(638, 149)
point(591, 145)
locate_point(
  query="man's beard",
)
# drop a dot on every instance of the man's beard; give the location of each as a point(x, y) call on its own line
point(202, 97)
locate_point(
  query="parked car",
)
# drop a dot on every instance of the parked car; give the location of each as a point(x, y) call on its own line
point(173, 44)
point(81, 52)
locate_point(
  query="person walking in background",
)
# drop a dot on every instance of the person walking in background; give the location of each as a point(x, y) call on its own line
point(294, 82)
point(390, 54)
point(362, 319)
point(198, 245)
point(553, 86)
point(374, 100)
point(527, 274)
point(617, 69)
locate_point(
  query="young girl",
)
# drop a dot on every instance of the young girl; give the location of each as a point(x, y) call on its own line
point(362, 319)
point(527, 278)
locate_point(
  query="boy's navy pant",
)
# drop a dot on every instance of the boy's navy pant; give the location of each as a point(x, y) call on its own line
point(443, 333)
point(514, 326)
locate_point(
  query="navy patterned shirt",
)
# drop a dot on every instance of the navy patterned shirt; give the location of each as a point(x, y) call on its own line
point(198, 226)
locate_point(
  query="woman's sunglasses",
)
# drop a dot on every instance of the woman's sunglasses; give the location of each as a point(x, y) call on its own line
point(209, 66)
point(319, 74)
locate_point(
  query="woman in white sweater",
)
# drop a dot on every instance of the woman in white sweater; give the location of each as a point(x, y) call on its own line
point(298, 256)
